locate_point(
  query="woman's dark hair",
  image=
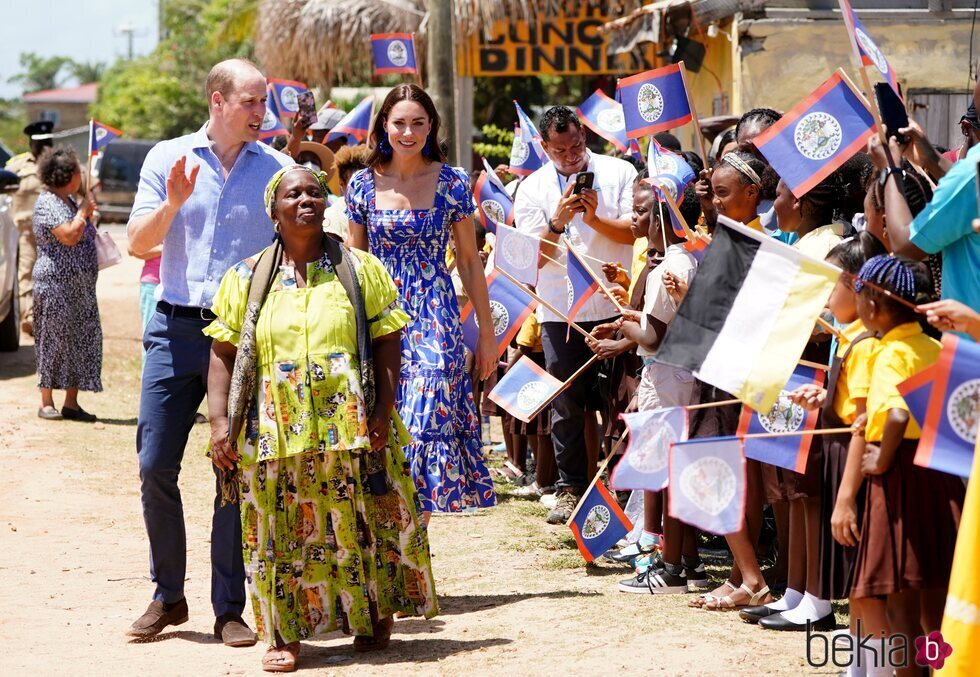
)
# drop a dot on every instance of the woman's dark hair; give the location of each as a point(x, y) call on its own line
point(433, 150)
point(757, 165)
point(727, 137)
point(821, 203)
point(853, 252)
point(693, 160)
point(558, 119)
point(690, 206)
point(765, 117)
point(903, 277)
point(668, 141)
point(916, 188)
point(57, 166)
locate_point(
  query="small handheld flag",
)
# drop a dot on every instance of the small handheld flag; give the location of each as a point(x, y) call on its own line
point(655, 101)
point(949, 432)
point(644, 465)
point(271, 124)
point(707, 484)
point(285, 93)
point(634, 150)
point(99, 135)
point(668, 167)
point(509, 307)
point(528, 130)
point(582, 284)
point(789, 452)
point(818, 135)
point(598, 523)
point(864, 50)
point(493, 204)
point(525, 389)
point(604, 116)
point(517, 254)
point(526, 157)
point(393, 53)
point(356, 125)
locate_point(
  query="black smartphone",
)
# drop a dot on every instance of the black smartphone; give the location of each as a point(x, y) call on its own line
point(583, 180)
point(306, 115)
point(893, 113)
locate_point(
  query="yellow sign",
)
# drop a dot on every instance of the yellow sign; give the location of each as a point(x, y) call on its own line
point(562, 45)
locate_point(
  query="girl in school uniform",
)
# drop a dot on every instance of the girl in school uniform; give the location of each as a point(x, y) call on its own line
point(911, 514)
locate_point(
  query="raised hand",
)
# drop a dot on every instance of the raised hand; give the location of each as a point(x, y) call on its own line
point(180, 185)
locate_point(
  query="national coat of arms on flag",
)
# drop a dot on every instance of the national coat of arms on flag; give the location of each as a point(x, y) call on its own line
point(604, 116)
point(655, 101)
point(510, 306)
point(789, 452)
point(493, 203)
point(517, 254)
point(864, 50)
point(707, 484)
point(285, 93)
point(393, 53)
point(598, 522)
point(644, 464)
point(99, 135)
point(525, 389)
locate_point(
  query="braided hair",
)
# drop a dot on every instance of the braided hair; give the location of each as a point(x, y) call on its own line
point(916, 189)
point(821, 203)
point(765, 117)
point(902, 277)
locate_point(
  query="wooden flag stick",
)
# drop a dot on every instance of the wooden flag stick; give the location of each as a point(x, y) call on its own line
point(872, 102)
point(813, 365)
point(602, 287)
point(694, 115)
point(544, 303)
point(598, 474)
point(831, 329)
point(891, 295)
point(707, 405)
point(797, 433)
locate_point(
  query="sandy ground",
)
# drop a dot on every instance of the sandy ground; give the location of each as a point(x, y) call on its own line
point(516, 596)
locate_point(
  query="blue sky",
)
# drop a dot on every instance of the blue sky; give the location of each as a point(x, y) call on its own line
point(85, 30)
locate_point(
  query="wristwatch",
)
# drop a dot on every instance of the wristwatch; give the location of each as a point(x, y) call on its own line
point(554, 230)
point(888, 171)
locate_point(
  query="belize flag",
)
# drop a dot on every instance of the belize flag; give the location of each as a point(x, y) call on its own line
point(528, 130)
point(99, 135)
point(655, 101)
point(526, 157)
point(509, 307)
point(355, 125)
point(789, 452)
point(525, 389)
point(707, 484)
point(644, 464)
point(516, 254)
point(394, 53)
point(493, 203)
point(271, 125)
point(692, 242)
point(598, 522)
point(285, 92)
point(634, 150)
point(819, 135)
point(662, 164)
point(604, 116)
point(864, 50)
point(949, 431)
point(582, 284)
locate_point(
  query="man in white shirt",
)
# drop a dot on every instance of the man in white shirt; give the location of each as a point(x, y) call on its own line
point(595, 222)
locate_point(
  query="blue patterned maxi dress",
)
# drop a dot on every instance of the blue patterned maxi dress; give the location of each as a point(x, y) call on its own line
point(435, 396)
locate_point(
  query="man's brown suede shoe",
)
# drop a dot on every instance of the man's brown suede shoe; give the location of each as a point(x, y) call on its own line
point(157, 618)
point(232, 630)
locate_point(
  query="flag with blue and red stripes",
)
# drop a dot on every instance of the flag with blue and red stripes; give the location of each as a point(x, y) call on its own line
point(527, 129)
point(582, 284)
point(493, 203)
point(655, 101)
point(99, 135)
point(394, 53)
point(634, 150)
point(707, 484)
point(790, 452)
point(598, 522)
point(661, 163)
point(644, 463)
point(526, 157)
point(818, 135)
point(509, 307)
point(525, 389)
point(952, 415)
point(517, 254)
point(604, 116)
point(271, 124)
point(356, 125)
point(285, 93)
point(864, 50)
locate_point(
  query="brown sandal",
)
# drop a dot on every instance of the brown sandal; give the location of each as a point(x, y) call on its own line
point(379, 641)
point(281, 658)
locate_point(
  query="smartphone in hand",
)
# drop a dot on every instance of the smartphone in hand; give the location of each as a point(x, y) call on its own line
point(583, 180)
point(306, 115)
point(892, 109)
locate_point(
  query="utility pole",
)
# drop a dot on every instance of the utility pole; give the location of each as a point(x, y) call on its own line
point(440, 69)
point(128, 30)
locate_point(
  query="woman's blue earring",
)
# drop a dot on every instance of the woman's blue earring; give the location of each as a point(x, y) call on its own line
point(384, 145)
point(427, 150)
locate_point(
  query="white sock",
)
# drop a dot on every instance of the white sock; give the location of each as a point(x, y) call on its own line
point(649, 538)
point(810, 608)
point(787, 601)
point(853, 670)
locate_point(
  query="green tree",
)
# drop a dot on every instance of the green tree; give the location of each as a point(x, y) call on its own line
point(13, 119)
point(41, 72)
point(87, 71)
point(162, 94)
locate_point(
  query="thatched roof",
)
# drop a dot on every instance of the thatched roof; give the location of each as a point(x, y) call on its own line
point(324, 42)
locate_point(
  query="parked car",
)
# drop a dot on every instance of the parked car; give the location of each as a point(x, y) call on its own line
point(9, 296)
point(118, 171)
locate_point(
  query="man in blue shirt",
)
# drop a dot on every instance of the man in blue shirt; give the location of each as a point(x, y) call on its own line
point(200, 196)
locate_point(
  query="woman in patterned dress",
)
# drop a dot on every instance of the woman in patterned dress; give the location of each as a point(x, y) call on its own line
point(403, 208)
point(330, 518)
point(67, 329)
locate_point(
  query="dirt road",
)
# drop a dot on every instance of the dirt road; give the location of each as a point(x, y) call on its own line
point(516, 597)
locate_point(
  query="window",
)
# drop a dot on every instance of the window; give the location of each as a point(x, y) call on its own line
point(50, 115)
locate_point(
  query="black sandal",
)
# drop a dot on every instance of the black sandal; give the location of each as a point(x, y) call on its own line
point(79, 414)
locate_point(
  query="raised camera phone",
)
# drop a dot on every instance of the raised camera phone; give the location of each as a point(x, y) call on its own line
point(893, 113)
point(306, 115)
point(582, 181)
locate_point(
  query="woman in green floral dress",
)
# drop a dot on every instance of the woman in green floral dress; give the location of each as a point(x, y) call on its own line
point(330, 517)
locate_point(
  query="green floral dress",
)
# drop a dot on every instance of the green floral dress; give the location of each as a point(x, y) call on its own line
point(329, 528)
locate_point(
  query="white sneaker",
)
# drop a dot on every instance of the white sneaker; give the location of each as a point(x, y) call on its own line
point(549, 501)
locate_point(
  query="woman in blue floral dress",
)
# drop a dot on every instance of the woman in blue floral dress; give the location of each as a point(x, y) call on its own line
point(403, 208)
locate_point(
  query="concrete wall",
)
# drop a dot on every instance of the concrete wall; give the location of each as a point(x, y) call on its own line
point(70, 115)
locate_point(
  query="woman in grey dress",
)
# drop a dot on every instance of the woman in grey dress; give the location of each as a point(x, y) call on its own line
point(67, 331)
